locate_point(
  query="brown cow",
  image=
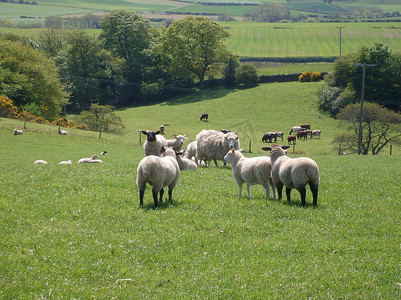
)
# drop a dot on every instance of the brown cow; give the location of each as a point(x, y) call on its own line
point(291, 138)
point(306, 126)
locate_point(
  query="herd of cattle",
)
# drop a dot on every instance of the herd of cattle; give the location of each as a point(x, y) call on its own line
point(296, 132)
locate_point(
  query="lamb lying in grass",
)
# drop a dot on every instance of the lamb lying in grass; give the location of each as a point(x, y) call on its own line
point(40, 162)
point(93, 159)
point(293, 173)
point(65, 162)
point(158, 172)
point(254, 170)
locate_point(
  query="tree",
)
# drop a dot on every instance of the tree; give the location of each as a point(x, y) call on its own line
point(247, 75)
point(194, 46)
point(229, 71)
point(28, 76)
point(382, 82)
point(380, 126)
point(128, 35)
point(102, 118)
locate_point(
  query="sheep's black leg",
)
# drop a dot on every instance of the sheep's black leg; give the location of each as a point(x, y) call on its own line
point(161, 195)
point(302, 191)
point(170, 194)
point(141, 193)
point(155, 197)
point(215, 161)
point(314, 188)
point(280, 191)
point(288, 192)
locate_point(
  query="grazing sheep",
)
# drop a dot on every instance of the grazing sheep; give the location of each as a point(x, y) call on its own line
point(293, 173)
point(158, 172)
point(177, 142)
point(65, 162)
point(254, 170)
point(316, 132)
point(291, 138)
point(213, 144)
point(17, 131)
point(154, 142)
point(269, 136)
point(62, 132)
point(185, 163)
point(40, 162)
point(92, 159)
point(204, 116)
point(103, 152)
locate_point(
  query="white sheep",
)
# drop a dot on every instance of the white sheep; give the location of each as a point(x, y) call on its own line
point(177, 142)
point(293, 173)
point(65, 162)
point(17, 131)
point(40, 162)
point(103, 152)
point(62, 132)
point(93, 159)
point(185, 163)
point(213, 145)
point(154, 142)
point(253, 170)
point(158, 172)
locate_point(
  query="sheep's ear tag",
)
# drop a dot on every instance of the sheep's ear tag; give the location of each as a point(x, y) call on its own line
point(233, 150)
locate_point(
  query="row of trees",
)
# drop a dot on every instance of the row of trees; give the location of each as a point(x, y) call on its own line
point(129, 62)
point(382, 91)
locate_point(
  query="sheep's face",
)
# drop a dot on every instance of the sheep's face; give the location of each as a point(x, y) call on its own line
point(180, 139)
point(151, 135)
point(229, 155)
point(231, 140)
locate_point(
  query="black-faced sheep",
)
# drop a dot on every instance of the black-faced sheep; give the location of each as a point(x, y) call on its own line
point(154, 142)
point(89, 160)
point(293, 173)
point(17, 131)
point(214, 145)
point(158, 172)
point(204, 116)
point(254, 170)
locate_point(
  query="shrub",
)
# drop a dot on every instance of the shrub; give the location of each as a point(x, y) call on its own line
point(82, 126)
point(246, 74)
point(7, 108)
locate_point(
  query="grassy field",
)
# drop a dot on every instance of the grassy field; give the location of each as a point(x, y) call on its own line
point(78, 231)
point(284, 68)
point(309, 39)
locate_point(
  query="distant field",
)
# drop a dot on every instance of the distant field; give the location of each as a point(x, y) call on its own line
point(308, 39)
point(277, 68)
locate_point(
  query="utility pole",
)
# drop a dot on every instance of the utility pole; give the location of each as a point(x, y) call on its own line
point(341, 27)
point(364, 65)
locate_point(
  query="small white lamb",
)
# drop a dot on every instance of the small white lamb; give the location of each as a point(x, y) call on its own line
point(65, 162)
point(253, 170)
point(293, 173)
point(40, 162)
point(158, 172)
point(185, 163)
point(17, 131)
point(177, 142)
point(93, 159)
point(62, 132)
point(154, 142)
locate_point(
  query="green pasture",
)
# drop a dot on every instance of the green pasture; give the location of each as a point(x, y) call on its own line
point(309, 39)
point(77, 231)
point(290, 68)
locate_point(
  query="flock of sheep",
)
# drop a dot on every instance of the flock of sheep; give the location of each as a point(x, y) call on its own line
point(85, 160)
point(164, 160)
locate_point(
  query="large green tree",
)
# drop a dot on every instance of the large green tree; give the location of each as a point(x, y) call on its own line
point(382, 82)
point(28, 77)
point(128, 35)
point(195, 46)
